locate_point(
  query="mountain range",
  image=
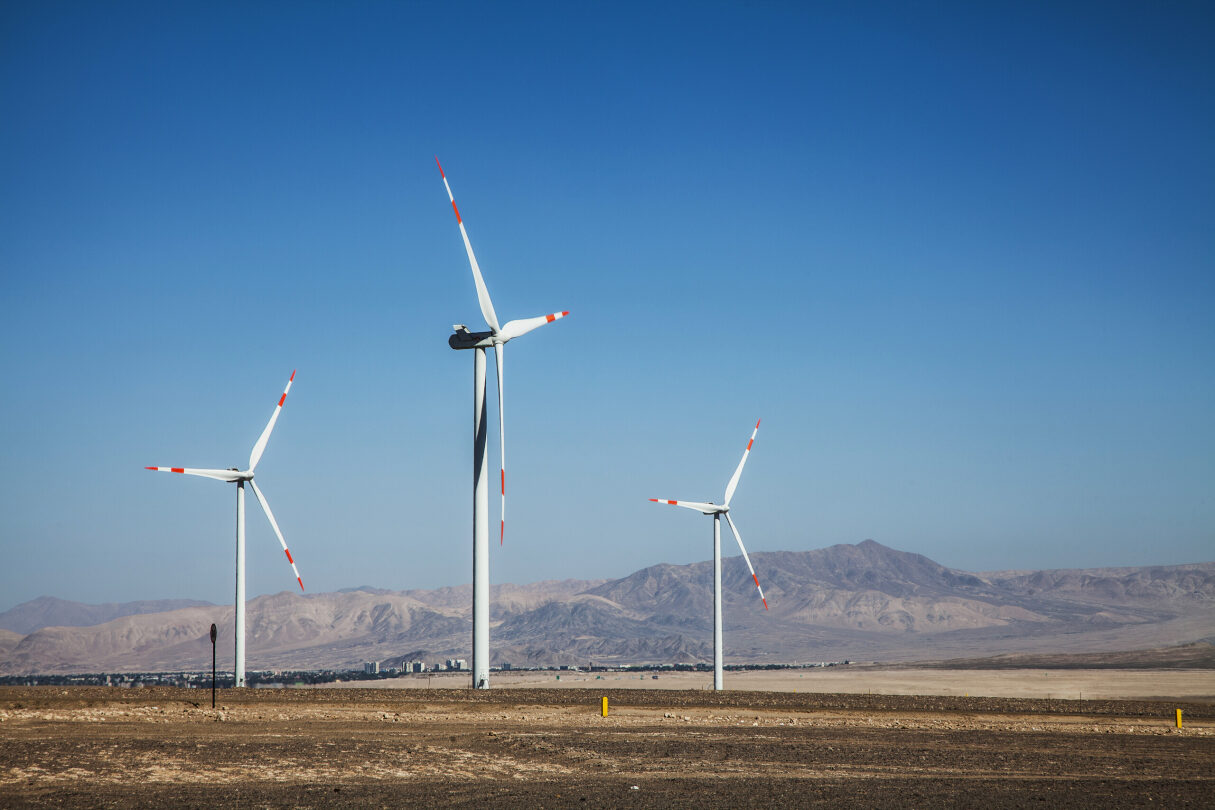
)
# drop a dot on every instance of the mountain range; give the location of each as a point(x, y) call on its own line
point(860, 602)
point(47, 611)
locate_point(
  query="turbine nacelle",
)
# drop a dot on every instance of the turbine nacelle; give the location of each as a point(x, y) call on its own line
point(464, 339)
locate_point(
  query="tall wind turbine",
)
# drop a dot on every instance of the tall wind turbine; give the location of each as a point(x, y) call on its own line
point(239, 477)
point(496, 339)
point(717, 512)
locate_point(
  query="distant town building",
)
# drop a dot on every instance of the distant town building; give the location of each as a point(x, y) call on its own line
point(371, 667)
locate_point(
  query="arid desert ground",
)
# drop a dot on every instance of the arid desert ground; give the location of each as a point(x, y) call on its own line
point(534, 746)
point(1075, 684)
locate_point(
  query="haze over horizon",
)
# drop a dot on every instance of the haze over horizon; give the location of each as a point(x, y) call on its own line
point(958, 260)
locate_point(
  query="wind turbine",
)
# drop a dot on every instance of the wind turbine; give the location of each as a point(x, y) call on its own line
point(239, 477)
point(496, 339)
point(717, 511)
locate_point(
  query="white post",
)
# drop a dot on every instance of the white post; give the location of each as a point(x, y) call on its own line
point(717, 671)
point(480, 610)
point(240, 584)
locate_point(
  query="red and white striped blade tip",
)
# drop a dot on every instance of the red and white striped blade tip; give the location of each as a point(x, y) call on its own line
point(761, 592)
point(167, 469)
point(291, 560)
point(290, 380)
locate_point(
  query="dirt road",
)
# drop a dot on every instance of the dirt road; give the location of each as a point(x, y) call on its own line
point(99, 747)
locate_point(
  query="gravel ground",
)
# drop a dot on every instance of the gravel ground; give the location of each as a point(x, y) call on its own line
point(99, 747)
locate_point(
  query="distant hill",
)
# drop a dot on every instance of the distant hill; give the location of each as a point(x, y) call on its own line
point(47, 611)
point(860, 602)
point(8, 641)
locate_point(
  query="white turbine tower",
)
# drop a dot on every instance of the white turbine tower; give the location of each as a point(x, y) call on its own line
point(717, 511)
point(239, 477)
point(496, 339)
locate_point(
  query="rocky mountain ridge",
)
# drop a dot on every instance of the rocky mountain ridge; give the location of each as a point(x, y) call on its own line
point(48, 611)
point(862, 602)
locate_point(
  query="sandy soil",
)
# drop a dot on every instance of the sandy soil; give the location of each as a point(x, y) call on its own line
point(534, 747)
point(1193, 685)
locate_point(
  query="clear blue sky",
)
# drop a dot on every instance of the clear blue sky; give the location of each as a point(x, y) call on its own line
point(959, 257)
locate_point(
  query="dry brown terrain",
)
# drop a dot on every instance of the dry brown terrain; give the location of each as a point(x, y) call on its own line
point(1188, 685)
point(537, 747)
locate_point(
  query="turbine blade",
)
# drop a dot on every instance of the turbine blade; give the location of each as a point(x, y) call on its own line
point(738, 537)
point(274, 525)
point(218, 475)
point(706, 508)
point(513, 329)
point(730, 487)
point(499, 358)
point(487, 306)
point(259, 448)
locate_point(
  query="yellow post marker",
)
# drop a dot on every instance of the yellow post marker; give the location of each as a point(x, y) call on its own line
point(605, 708)
point(1178, 717)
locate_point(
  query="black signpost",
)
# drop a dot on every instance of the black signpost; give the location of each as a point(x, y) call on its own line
point(212, 666)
